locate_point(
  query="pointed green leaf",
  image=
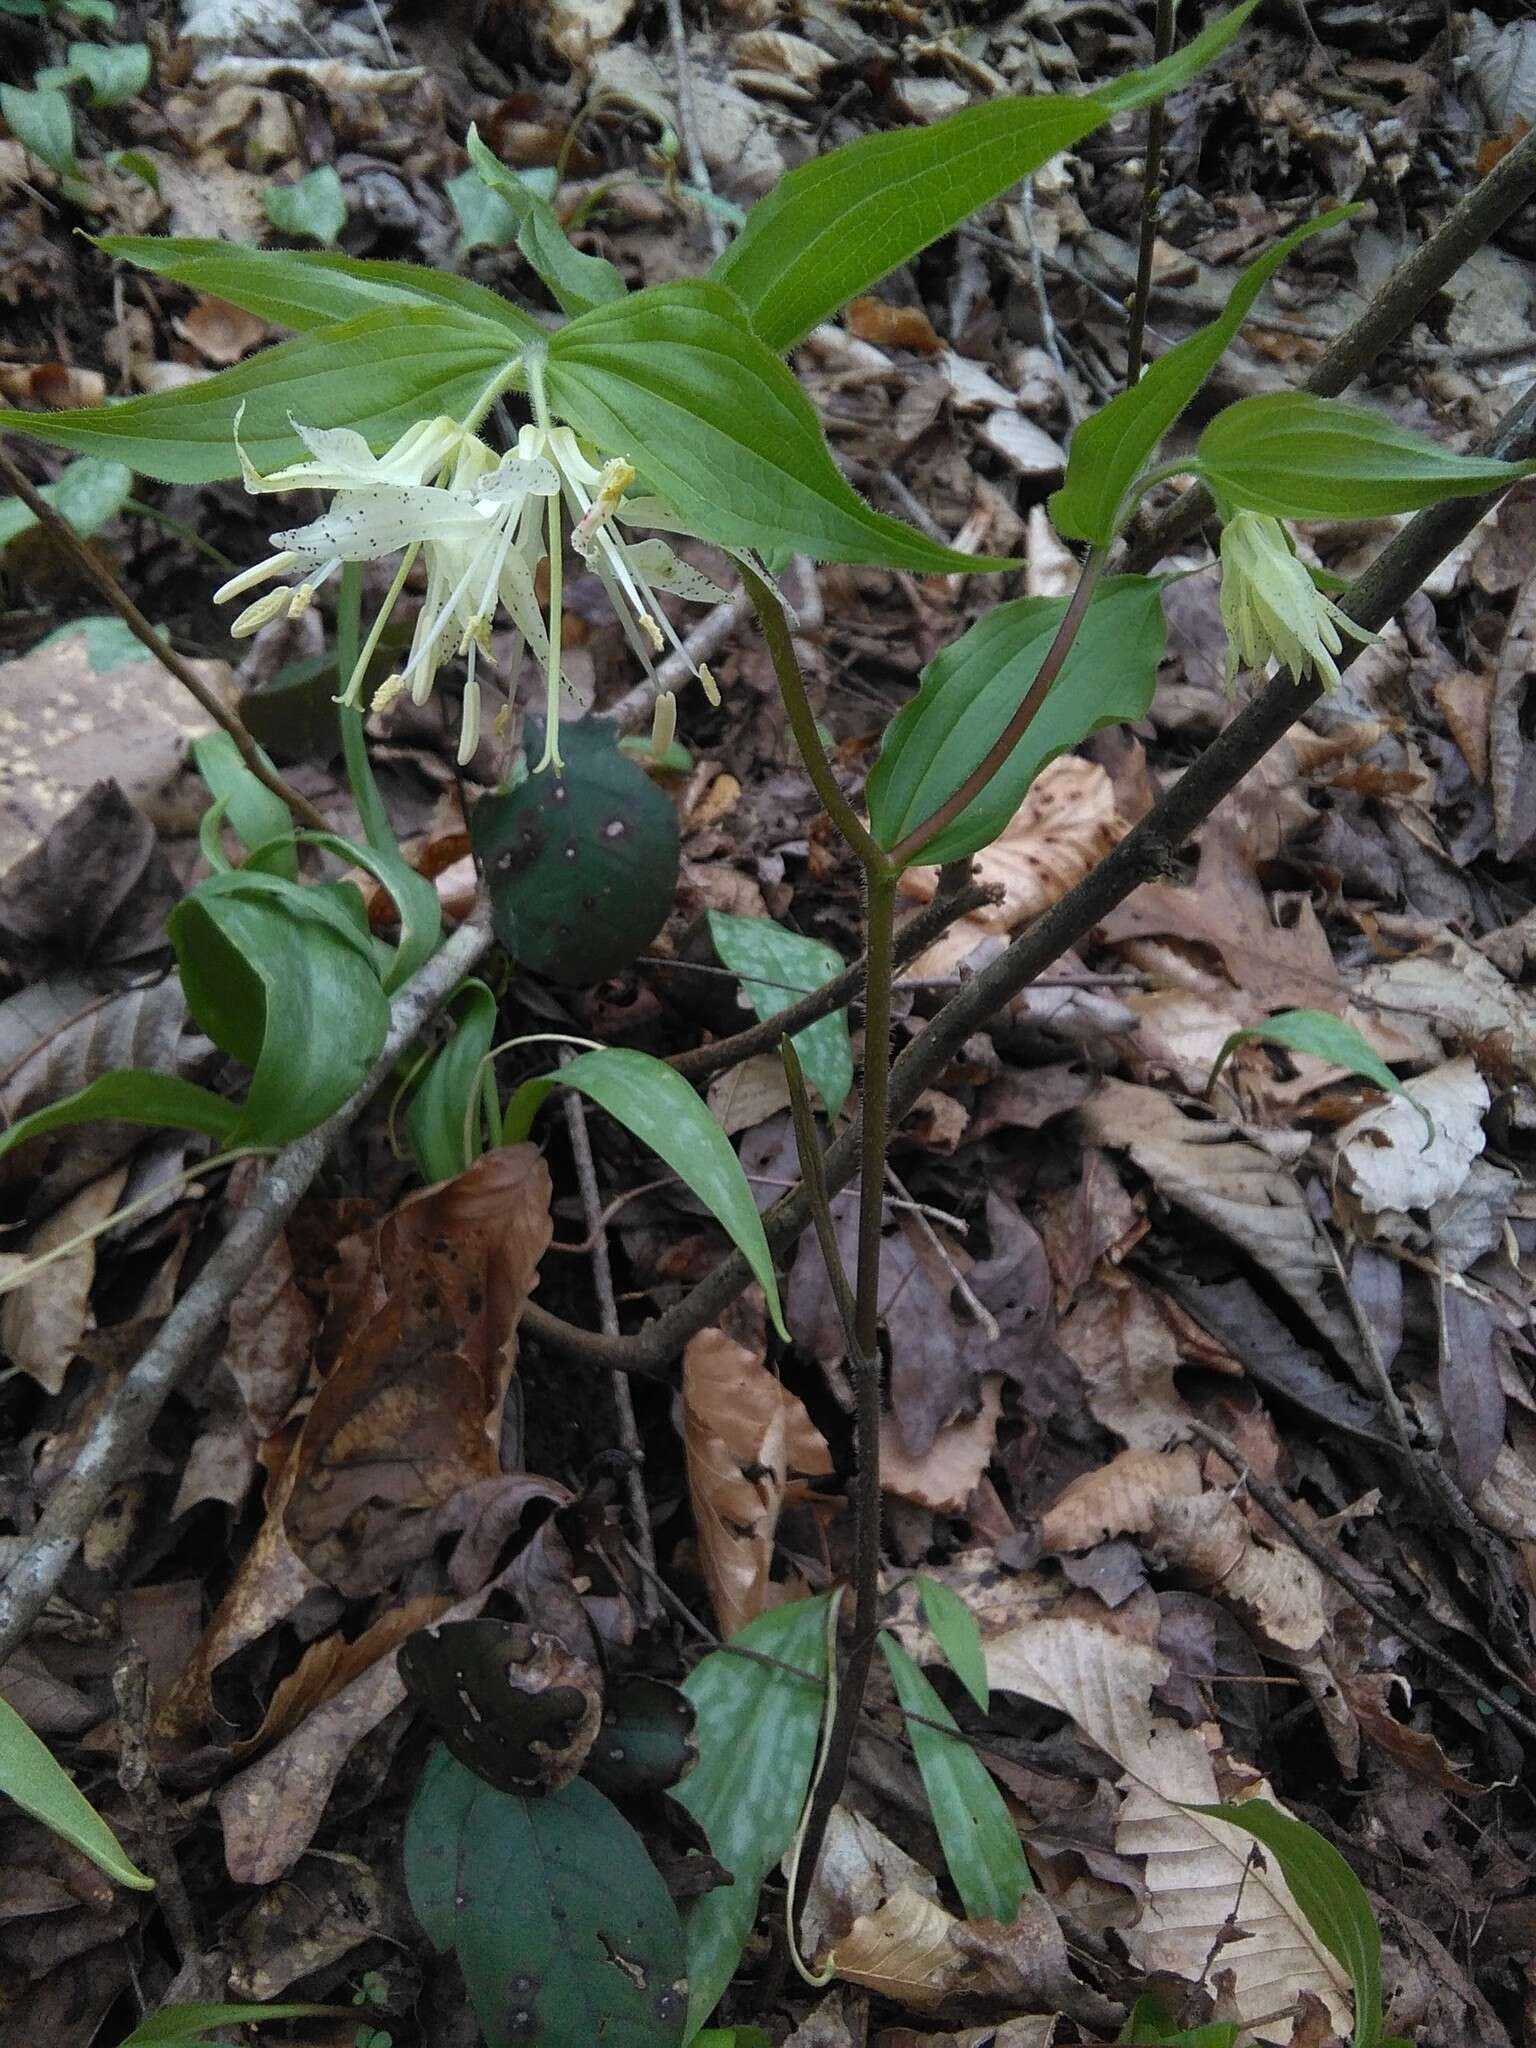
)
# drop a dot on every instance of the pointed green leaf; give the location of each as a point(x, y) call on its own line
point(132, 1096)
point(970, 691)
point(485, 219)
point(1111, 448)
point(791, 965)
point(980, 1842)
point(380, 373)
point(44, 1789)
point(842, 222)
point(43, 122)
point(1299, 457)
point(305, 288)
point(314, 206)
point(659, 1107)
point(1325, 1037)
point(447, 1123)
point(757, 1728)
point(88, 493)
point(955, 1632)
point(114, 71)
point(1328, 1893)
point(257, 814)
point(576, 282)
point(182, 2023)
point(674, 379)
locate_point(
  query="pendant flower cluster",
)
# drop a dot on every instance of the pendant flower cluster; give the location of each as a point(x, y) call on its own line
point(483, 525)
point(1272, 609)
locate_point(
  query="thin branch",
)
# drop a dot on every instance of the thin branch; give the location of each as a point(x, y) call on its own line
point(118, 1435)
point(59, 530)
point(608, 1310)
point(693, 156)
point(912, 938)
point(1468, 225)
point(1276, 1506)
point(1151, 193)
point(1145, 853)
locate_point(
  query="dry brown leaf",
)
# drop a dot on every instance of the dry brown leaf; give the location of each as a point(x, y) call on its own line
point(1066, 824)
point(747, 1094)
point(412, 1410)
point(744, 1439)
point(889, 326)
point(1389, 1162)
point(271, 1334)
point(1282, 1592)
point(220, 333)
point(945, 1475)
point(332, 1663)
point(1274, 965)
point(1121, 1499)
point(1462, 995)
point(1230, 1185)
point(1085, 1667)
point(1125, 1349)
point(51, 384)
point(42, 1321)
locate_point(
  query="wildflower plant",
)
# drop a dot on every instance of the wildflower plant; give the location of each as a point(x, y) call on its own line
point(653, 415)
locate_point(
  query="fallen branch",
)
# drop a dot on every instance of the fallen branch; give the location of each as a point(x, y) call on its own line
point(119, 1433)
point(1146, 852)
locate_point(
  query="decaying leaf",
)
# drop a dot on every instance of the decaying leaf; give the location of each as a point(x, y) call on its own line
point(1066, 823)
point(43, 1320)
point(1387, 1163)
point(746, 1440)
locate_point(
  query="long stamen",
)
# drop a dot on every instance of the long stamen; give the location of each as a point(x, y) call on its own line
point(551, 756)
point(376, 631)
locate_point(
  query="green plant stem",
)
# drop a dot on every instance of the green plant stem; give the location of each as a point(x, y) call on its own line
point(377, 830)
point(802, 723)
point(1151, 193)
point(910, 848)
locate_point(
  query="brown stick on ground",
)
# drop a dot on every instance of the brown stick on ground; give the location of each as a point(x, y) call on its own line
point(98, 573)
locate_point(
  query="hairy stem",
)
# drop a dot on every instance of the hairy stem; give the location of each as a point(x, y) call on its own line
point(1151, 193)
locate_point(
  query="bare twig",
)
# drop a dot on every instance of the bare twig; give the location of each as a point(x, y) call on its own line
point(137, 1775)
point(118, 1434)
point(608, 1310)
point(1151, 193)
point(698, 170)
point(1141, 856)
point(97, 572)
point(1275, 1505)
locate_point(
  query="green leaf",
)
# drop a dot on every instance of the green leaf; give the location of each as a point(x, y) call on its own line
point(1328, 1893)
point(563, 1928)
point(183, 2022)
point(380, 373)
point(792, 965)
point(659, 1107)
point(576, 282)
point(114, 71)
point(673, 378)
point(314, 206)
point(306, 288)
point(580, 862)
point(108, 642)
point(282, 978)
point(132, 1096)
point(43, 122)
point(1140, 88)
point(416, 900)
point(256, 814)
point(847, 219)
point(1299, 457)
point(485, 219)
point(955, 1632)
point(454, 1114)
point(976, 1831)
point(757, 1731)
point(1150, 2027)
point(88, 493)
point(970, 691)
point(1325, 1037)
point(133, 163)
point(1111, 448)
point(45, 1790)
point(646, 1742)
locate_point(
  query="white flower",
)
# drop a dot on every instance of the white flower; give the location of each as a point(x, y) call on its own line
point(483, 525)
point(1272, 609)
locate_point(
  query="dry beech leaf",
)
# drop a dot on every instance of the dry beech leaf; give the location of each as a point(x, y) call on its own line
point(744, 1439)
point(1065, 825)
point(1231, 1186)
point(1209, 1535)
point(1388, 1161)
point(220, 333)
point(1086, 1667)
point(871, 319)
point(1125, 1350)
point(1462, 994)
point(1120, 1499)
point(42, 1322)
point(411, 1411)
point(945, 1475)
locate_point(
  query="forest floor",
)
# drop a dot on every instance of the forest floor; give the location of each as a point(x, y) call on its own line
point(1130, 1313)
